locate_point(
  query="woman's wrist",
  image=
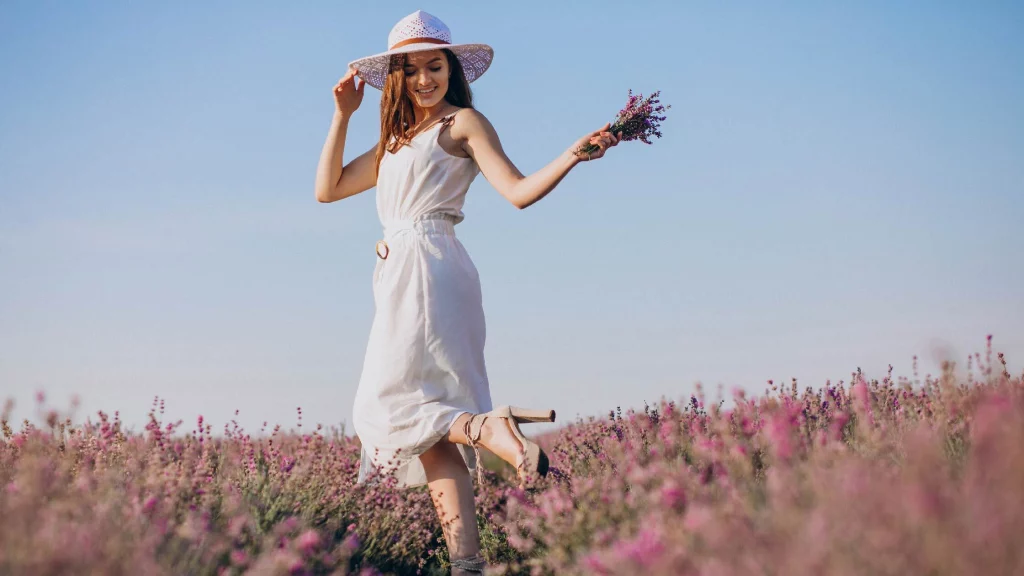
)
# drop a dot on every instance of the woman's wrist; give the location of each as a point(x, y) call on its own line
point(571, 158)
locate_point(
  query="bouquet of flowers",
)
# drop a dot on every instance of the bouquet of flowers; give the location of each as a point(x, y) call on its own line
point(639, 120)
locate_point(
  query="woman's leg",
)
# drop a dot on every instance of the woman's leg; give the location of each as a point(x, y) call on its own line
point(451, 488)
point(495, 435)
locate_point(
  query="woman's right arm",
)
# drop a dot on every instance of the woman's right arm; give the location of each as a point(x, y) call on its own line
point(334, 181)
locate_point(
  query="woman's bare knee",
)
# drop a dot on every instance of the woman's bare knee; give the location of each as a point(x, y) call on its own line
point(443, 460)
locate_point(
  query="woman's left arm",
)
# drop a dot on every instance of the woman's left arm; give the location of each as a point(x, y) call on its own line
point(481, 142)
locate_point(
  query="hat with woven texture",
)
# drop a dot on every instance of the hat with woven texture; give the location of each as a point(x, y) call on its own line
point(417, 32)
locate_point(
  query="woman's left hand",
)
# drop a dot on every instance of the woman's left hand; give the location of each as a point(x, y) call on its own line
point(601, 138)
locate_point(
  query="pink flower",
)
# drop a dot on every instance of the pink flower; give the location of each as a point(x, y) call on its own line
point(748, 426)
point(644, 550)
point(696, 517)
point(239, 557)
point(838, 422)
point(779, 433)
point(308, 541)
point(595, 565)
point(860, 392)
point(351, 543)
point(672, 495)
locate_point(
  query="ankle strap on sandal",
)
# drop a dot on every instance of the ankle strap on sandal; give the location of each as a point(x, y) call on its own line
point(472, 433)
point(475, 563)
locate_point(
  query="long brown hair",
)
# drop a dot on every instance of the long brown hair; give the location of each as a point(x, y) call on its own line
point(396, 116)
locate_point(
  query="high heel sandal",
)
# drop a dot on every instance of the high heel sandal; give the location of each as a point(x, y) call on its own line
point(532, 461)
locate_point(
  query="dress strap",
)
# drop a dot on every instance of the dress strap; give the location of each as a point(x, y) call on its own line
point(448, 119)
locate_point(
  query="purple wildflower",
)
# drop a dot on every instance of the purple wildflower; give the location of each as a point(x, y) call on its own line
point(639, 120)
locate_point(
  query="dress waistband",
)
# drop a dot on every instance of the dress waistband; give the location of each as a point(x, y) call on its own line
point(430, 223)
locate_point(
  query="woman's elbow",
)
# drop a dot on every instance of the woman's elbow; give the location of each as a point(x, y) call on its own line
point(324, 196)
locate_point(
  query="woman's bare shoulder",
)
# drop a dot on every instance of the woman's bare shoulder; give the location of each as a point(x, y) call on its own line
point(469, 122)
point(471, 113)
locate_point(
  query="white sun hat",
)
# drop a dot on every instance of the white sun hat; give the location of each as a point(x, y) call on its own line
point(417, 32)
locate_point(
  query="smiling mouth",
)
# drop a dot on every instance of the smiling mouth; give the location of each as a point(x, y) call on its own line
point(425, 92)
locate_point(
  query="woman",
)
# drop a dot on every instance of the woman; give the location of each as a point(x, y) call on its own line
point(423, 402)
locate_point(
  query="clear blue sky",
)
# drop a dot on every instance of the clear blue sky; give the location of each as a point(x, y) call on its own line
point(838, 186)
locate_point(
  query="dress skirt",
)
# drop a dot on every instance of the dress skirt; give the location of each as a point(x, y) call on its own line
point(424, 362)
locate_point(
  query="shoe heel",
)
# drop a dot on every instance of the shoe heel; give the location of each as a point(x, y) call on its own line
point(527, 415)
point(535, 461)
point(542, 464)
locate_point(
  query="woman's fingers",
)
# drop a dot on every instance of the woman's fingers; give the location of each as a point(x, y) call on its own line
point(603, 141)
point(347, 77)
point(599, 131)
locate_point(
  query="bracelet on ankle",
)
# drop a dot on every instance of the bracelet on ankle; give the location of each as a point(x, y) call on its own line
point(475, 563)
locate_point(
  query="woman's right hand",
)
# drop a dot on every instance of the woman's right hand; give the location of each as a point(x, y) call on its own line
point(347, 97)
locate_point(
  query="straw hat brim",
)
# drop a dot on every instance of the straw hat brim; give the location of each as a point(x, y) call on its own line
point(475, 60)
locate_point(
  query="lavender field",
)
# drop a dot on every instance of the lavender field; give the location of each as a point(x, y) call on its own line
point(890, 476)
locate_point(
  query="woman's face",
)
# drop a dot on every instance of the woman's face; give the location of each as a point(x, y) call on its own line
point(426, 77)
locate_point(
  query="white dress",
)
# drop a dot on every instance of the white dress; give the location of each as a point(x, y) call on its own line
point(424, 363)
